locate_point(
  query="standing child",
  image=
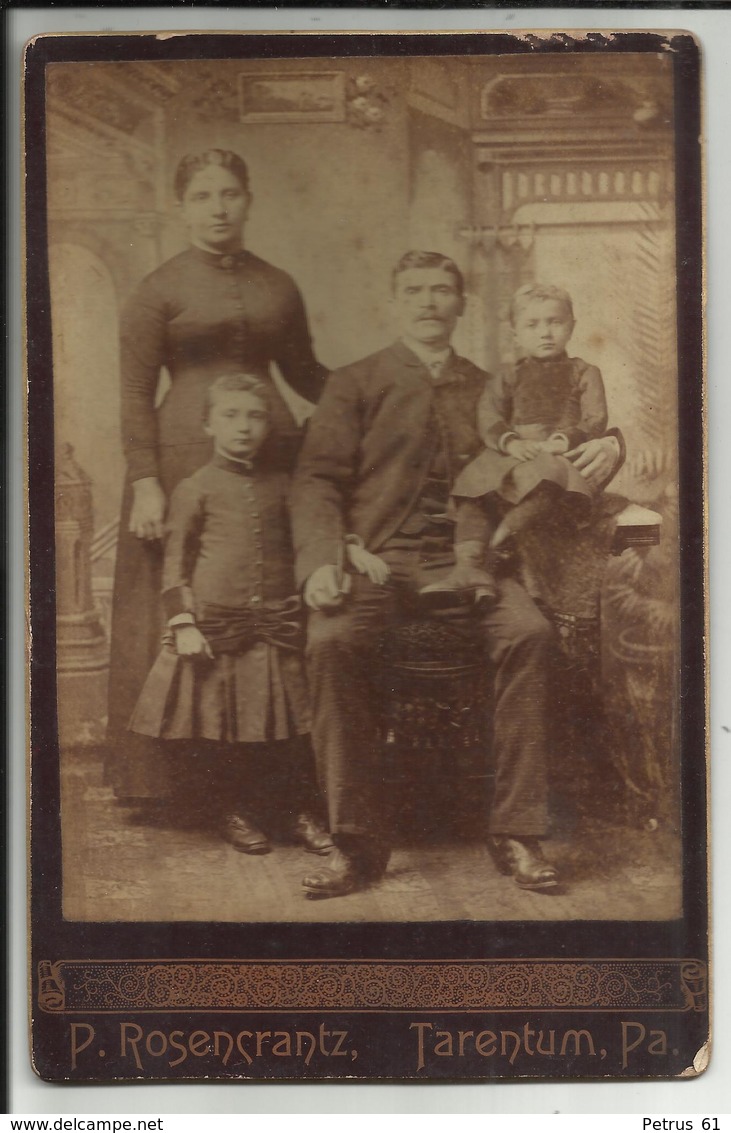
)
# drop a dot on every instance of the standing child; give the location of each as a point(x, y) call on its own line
point(529, 419)
point(230, 674)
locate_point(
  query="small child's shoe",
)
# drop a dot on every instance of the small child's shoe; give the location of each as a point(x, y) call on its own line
point(310, 833)
point(469, 575)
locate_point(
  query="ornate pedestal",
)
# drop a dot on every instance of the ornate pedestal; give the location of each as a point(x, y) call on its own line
point(81, 650)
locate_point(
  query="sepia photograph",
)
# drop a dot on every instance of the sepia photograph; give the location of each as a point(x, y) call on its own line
point(368, 458)
point(408, 227)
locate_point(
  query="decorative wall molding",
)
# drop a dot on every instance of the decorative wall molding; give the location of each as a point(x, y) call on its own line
point(105, 138)
point(574, 136)
point(526, 171)
point(151, 83)
point(435, 90)
point(579, 97)
point(596, 181)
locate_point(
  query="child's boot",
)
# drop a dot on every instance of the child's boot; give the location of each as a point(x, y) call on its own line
point(469, 574)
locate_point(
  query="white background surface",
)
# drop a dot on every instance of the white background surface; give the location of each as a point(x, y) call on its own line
point(710, 1094)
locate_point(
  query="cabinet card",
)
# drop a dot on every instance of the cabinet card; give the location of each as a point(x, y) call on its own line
point(366, 556)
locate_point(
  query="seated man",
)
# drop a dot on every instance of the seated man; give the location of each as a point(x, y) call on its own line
point(383, 448)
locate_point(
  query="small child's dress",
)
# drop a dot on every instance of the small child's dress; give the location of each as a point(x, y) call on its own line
point(534, 400)
point(228, 563)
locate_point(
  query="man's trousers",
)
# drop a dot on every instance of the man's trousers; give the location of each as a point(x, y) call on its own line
point(517, 639)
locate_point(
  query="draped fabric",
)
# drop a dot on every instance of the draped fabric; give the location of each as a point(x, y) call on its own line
point(250, 697)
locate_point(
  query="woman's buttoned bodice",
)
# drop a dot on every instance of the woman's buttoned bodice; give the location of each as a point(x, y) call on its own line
point(202, 315)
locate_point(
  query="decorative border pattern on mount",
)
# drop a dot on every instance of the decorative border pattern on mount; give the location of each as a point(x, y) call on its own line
point(363, 985)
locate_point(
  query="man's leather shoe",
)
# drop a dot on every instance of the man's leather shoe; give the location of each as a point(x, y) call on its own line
point(523, 860)
point(310, 833)
point(347, 871)
point(340, 877)
point(244, 836)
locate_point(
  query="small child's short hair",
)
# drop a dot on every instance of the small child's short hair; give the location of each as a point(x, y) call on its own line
point(530, 292)
point(241, 383)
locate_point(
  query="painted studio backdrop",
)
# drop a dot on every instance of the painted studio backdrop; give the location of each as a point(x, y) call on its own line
point(521, 168)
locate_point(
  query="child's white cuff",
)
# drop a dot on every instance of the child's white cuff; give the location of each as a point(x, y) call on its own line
point(182, 620)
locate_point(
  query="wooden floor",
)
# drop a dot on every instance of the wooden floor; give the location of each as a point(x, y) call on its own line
point(117, 870)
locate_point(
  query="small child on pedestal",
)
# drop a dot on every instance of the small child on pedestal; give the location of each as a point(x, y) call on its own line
point(530, 419)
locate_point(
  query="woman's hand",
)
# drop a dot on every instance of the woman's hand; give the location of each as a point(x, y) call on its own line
point(190, 642)
point(147, 517)
point(596, 459)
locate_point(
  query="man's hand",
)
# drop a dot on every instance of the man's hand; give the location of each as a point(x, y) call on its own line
point(596, 459)
point(365, 562)
point(326, 588)
point(147, 517)
point(522, 450)
point(190, 642)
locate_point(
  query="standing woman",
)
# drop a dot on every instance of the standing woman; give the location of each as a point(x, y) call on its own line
point(213, 309)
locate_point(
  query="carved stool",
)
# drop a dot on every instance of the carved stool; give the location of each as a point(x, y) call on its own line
point(435, 709)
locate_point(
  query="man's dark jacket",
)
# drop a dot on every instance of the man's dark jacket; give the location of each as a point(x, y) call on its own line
point(369, 449)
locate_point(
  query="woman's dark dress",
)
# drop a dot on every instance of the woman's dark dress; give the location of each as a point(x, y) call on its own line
point(200, 315)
